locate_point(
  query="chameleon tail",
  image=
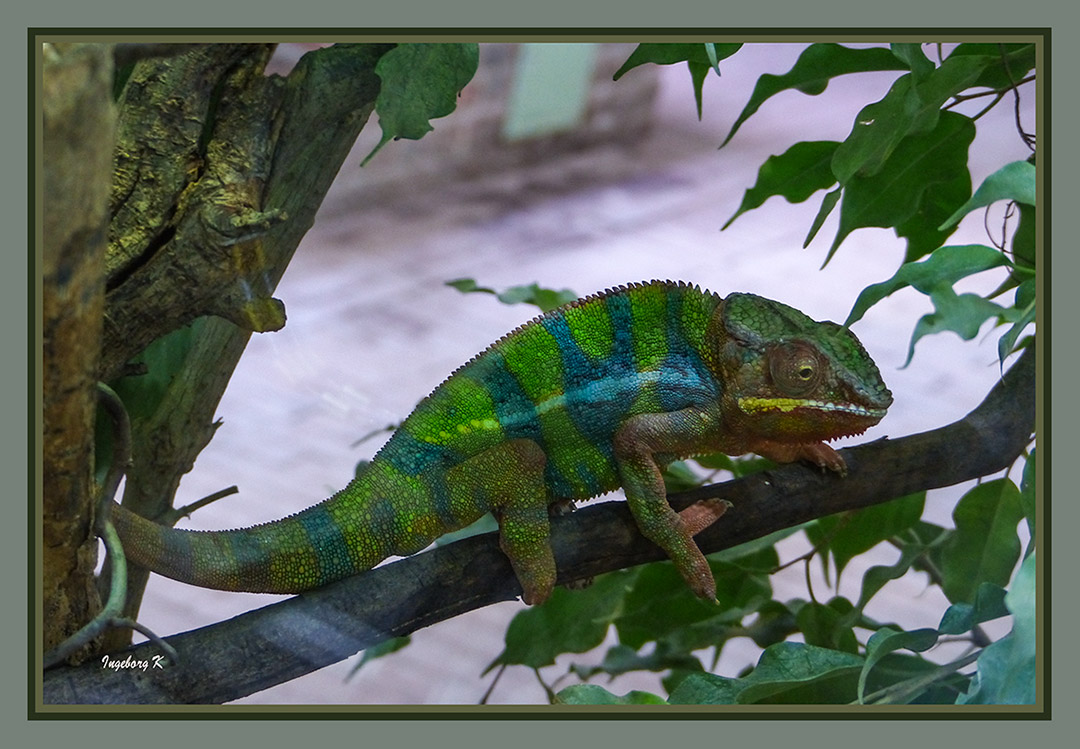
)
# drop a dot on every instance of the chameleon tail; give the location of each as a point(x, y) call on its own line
point(314, 547)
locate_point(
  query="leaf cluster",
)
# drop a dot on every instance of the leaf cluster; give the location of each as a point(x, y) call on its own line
point(845, 655)
point(904, 166)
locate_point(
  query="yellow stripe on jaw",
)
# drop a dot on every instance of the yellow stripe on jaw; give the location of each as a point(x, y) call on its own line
point(784, 405)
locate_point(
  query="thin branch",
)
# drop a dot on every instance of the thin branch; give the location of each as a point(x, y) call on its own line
point(172, 516)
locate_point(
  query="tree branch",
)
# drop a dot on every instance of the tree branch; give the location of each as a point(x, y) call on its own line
point(256, 650)
point(261, 153)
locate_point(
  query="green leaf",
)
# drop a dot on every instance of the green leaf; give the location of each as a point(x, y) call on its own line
point(756, 555)
point(893, 193)
point(706, 689)
point(661, 607)
point(469, 286)
point(984, 547)
point(911, 107)
point(786, 673)
point(1023, 239)
point(916, 60)
point(1027, 497)
point(679, 477)
point(941, 270)
point(795, 174)
point(849, 534)
point(1007, 342)
point(902, 679)
point(568, 622)
point(811, 73)
point(828, 625)
point(936, 204)
point(668, 54)
point(963, 314)
point(621, 659)
point(827, 204)
point(1006, 668)
point(774, 623)
point(545, 299)
point(877, 576)
point(698, 74)
point(962, 617)
point(386, 647)
point(1010, 62)
point(420, 82)
point(1014, 181)
point(142, 394)
point(591, 694)
point(885, 641)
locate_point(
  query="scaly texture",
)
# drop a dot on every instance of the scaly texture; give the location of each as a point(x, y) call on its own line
point(595, 395)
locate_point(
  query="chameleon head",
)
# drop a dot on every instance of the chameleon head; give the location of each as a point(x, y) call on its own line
point(792, 378)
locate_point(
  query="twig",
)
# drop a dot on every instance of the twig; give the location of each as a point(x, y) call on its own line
point(170, 517)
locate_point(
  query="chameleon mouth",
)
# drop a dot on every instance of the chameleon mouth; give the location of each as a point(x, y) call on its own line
point(754, 405)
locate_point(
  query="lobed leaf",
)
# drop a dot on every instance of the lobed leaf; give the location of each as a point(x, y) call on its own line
point(811, 73)
point(911, 107)
point(892, 194)
point(827, 204)
point(795, 175)
point(936, 204)
point(384, 648)
point(963, 314)
point(420, 82)
point(915, 59)
point(545, 299)
point(1014, 181)
point(942, 269)
point(670, 53)
point(699, 58)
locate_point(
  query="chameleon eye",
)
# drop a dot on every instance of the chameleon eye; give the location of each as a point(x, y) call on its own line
point(795, 368)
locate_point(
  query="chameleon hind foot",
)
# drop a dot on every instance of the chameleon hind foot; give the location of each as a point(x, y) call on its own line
point(702, 514)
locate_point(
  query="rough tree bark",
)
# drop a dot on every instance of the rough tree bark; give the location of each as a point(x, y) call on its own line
point(77, 137)
point(219, 170)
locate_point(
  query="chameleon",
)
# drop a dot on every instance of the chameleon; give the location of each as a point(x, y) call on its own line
point(598, 394)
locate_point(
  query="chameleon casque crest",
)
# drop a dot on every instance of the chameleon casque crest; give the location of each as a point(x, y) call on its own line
point(595, 395)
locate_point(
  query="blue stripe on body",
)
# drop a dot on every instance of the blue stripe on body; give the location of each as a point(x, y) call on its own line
point(514, 409)
point(331, 550)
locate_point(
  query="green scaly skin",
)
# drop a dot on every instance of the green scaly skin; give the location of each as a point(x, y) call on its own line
point(598, 394)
